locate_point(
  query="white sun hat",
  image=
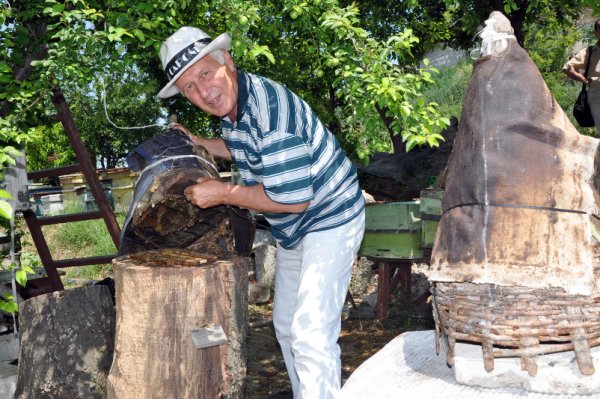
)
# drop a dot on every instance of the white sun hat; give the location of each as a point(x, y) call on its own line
point(184, 48)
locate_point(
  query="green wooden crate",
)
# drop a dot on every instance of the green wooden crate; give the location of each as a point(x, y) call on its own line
point(393, 231)
point(431, 212)
point(431, 204)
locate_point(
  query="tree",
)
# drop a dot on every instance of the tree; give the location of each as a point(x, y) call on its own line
point(73, 41)
point(129, 105)
point(465, 17)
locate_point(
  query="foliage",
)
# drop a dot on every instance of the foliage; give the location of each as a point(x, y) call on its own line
point(128, 104)
point(450, 89)
point(369, 74)
point(356, 64)
point(7, 301)
point(548, 41)
point(425, 18)
point(292, 41)
point(49, 147)
point(465, 17)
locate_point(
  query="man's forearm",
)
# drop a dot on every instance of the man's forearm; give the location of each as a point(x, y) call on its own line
point(573, 74)
point(216, 147)
point(255, 198)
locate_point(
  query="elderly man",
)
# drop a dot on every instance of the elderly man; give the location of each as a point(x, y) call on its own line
point(295, 172)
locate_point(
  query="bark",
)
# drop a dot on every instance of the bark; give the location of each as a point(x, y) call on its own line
point(175, 293)
point(67, 341)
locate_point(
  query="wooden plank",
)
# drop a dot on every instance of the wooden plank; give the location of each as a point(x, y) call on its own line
point(59, 171)
point(92, 260)
point(399, 245)
point(68, 218)
point(87, 167)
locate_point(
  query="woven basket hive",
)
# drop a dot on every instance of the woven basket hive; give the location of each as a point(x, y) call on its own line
point(514, 265)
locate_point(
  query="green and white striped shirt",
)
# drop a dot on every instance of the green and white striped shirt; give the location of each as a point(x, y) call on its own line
point(278, 140)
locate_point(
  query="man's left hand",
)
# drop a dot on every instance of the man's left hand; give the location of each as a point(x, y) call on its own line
point(206, 194)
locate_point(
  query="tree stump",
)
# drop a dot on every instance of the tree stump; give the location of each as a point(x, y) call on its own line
point(67, 341)
point(161, 297)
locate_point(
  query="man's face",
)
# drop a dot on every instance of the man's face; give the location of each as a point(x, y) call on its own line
point(210, 86)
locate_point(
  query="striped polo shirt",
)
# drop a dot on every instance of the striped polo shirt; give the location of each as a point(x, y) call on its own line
point(278, 140)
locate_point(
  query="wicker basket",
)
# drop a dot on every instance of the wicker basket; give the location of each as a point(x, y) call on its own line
point(516, 322)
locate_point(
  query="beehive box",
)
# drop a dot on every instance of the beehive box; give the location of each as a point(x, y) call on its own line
point(393, 231)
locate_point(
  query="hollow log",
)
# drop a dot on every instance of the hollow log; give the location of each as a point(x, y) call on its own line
point(161, 217)
point(67, 340)
point(163, 298)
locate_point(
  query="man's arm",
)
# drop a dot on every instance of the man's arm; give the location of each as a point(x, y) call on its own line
point(216, 147)
point(209, 192)
point(573, 74)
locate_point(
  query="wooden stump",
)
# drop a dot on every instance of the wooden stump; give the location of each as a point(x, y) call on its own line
point(67, 342)
point(164, 295)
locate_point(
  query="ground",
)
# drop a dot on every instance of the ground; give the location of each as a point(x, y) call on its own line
point(360, 339)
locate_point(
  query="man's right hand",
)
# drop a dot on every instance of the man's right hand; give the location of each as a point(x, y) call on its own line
point(179, 126)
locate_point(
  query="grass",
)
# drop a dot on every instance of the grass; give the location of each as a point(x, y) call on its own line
point(75, 240)
point(449, 88)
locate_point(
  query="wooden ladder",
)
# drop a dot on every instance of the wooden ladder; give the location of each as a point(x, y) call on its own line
point(35, 224)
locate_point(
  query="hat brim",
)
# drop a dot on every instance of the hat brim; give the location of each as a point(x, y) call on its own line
point(222, 42)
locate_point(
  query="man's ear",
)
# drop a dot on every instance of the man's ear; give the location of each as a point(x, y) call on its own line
point(229, 61)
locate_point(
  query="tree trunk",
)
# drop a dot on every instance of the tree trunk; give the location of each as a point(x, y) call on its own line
point(164, 295)
point(67, 340)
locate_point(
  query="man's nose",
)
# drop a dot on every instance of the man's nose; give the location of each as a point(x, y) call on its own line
point(203, 90)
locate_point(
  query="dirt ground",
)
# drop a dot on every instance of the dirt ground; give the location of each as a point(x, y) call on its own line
point(360, 339)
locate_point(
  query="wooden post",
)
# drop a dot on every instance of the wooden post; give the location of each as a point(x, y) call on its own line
point(163, 296)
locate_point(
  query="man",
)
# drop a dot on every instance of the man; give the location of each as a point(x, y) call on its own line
point(295, 172)
point(575, 67)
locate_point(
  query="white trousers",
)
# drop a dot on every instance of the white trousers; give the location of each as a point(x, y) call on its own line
point(595, 108)
point(311, 282)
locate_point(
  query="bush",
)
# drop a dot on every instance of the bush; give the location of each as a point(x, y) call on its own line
point(450, 87)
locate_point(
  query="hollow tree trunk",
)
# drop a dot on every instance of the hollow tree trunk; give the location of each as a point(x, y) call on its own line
point(67, 342)
point(161, 216)
point(163, 296)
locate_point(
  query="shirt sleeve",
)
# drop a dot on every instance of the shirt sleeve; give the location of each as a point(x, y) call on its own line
point(286, 168)
point(578, 61)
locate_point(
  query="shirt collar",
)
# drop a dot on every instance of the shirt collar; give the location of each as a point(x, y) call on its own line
point(243, 93)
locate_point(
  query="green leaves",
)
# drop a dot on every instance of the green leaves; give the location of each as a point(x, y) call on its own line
point(7, 301)
point(8, 304)
point(365, 87)
point(261, 50)
point(115, 34)
point(382, 98)
point(6, 211)
point(510, 6)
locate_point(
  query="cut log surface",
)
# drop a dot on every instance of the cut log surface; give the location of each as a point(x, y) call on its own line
point(162, 297)
point(67, 340)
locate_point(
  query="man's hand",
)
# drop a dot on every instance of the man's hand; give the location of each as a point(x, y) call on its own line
point(207, 193)
point(178, 126)
point(216, 147)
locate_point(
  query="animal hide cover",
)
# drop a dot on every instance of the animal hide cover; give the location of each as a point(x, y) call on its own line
point(520, 198)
